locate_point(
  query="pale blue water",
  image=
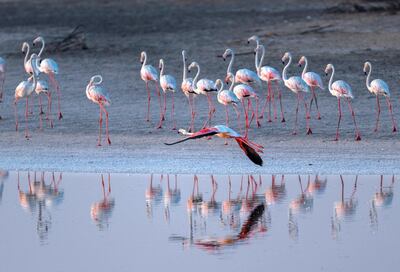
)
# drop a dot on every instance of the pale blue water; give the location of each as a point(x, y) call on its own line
point(69, 224)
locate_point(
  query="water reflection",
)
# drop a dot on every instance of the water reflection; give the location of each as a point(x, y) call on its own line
point(382, 198)
point(39, 198)
point(101, 211)
point(3, 178)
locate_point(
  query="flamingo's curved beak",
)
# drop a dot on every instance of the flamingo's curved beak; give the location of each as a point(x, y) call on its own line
point(283, 62)
point(248, 42)
point(365, 73)
point(224, 58)
point(141, 62)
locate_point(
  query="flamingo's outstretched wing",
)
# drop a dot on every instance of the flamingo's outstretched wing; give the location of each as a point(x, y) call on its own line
point(250, 152)
point(200, 134)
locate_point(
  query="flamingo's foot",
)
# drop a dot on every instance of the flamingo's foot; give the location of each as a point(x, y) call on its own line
point(109, 141)
point(358, 137)
point(336, 139)
point(283, 120)
point(319, 116)
point(226, 143)
point(393, 130)
point(294, 132)
point(261, 117)
point(98, 144)
point(60, 116)
point(147, 120)
point(309, 131)
point(163, 118)
point(159, 126)
point(376, 130)
point(41, 112)
point(308, 117)
point(269, 120)
point(258, 124)
point(27, 136)
point(174, 128)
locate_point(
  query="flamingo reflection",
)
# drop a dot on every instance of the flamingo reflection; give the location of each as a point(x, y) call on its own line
point(171, 197)
point(211, 207)
point(231, 207)
point(3, 177)
point(101, 211)
point(382, 198)
point(153, 196)
point(344, 209)
point(276, 193)
point(317, 186)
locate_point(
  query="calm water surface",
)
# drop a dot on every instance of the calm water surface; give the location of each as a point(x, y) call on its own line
point(117, 222)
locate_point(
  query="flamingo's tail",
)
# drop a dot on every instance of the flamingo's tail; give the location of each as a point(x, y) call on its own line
point(250, 152)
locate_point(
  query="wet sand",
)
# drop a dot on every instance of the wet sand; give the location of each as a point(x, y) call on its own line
point(117, 32)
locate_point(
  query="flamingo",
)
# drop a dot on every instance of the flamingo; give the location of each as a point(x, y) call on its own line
point(2, 77)
point(340, 89)
point(50, 68)
point(100, 96)
point(297, 85)
point(379, 87)
point(204, 86)
point(168, 83)
point(24, 90)
point(226, 97)
point(42, 87)
point(187, 89)
point(269, 75)
point(242, 92)
point(313, 80)
point(249, 148)
point(149, 73)
point(101, 211)
point(27, 62)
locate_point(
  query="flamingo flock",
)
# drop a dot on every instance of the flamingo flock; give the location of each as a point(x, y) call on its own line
point(244, 89)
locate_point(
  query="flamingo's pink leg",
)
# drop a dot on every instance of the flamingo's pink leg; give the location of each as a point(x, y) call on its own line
point(269, 101)
point(189, 97)
point(340, 117)
point(16, 114)
point(26, 118)
point(394, 128)
point(148, 101)
point(159, 100)
point(358, 135)
point(48, 113)
point(252, 110)
point(209, 111)
point(172, 112)
point(56, 86)
point(165, 104)
point(257, 117)
point(227, 121)
point(273, 102)
point(100, 125)
point(314, 97)
point(378, 113)
point(308, 128)
point(40, 104)
point(107, 130)
point(297, 112)
point(238, 116)
point(280, 102)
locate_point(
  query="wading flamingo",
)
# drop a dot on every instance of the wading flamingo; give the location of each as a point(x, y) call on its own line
point(297, 85)
point(167, 83)
point(242, 92)
point(379, 87)
point(313, 80)
point(340, 89)
point(204, 86)
point(187, 89)
point(149, 73)
point(269, 75)
point(100, 96)
point(249, 148)
point(24, 90)
point(50, 68)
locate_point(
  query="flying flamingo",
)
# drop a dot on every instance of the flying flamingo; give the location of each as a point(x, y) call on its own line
point(168, 83)
point(313, 80)
point(24, 90)
point(249, 148)
point(340, 89)
point(242, 92)
point(50, 68)
point(297, 85)
point(269, 75)
point(204, 86)
point(100, 96)
point(149, 73)
point(379, 87)
point(187, 89)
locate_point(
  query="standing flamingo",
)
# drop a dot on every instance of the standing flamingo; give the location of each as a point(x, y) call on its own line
point(2, 78)
point(204, 86)
point(149, 73)
point(42, 87)
point(249, 148)
point(50, 68)
point(340, 89)
point(269, 75)
point(297, 85)
point(100, 96)
point(242, 92)
point(24, 90)
point(27, 62)
point(313, 80)
point(187, 89)
point(379, 87)
point(168, 83)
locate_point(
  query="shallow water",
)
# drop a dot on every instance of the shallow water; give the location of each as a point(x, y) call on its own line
point(68, 222)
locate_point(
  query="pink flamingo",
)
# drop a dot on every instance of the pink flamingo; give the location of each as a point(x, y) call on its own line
point(2, 78)
point(167, 83)
point(379, 87)
point(50, 68)
point(249, 148)
point(187, 89)
point(269, 75)
point(313, 80)
point(149, 73)
point(340, 89)
point(242, 92)
point(204, 86)
point(24, 90)
point(100, 96)
point(297, 85)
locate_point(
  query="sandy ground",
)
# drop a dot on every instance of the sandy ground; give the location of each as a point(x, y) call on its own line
point(117, 32)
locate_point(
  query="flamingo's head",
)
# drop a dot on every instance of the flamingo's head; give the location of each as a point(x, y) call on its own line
point(302, 61)
point(93, 80)
point(227, 52)
point(328, 68)
point(192, 65)
point(219, 84)
point(161, 64)
point(38, 39)
point(253, 38)
point(142, 57)
point(366, 65)
point(25, 46)
point(229, 78)
point(184, 55)
point(286, 56)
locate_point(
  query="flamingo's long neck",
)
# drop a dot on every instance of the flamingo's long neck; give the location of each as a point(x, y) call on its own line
point(27, 53)
point(331, 79)
point(144, 59)
point(369, 74)
point(197, 76)
point(284, 76)
point(232, 83)
point(221, 86)
point(42, 48)
point(162, 68)
point(229, 70)
point(184, 67)
point(305, 67)
point(34, 84)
